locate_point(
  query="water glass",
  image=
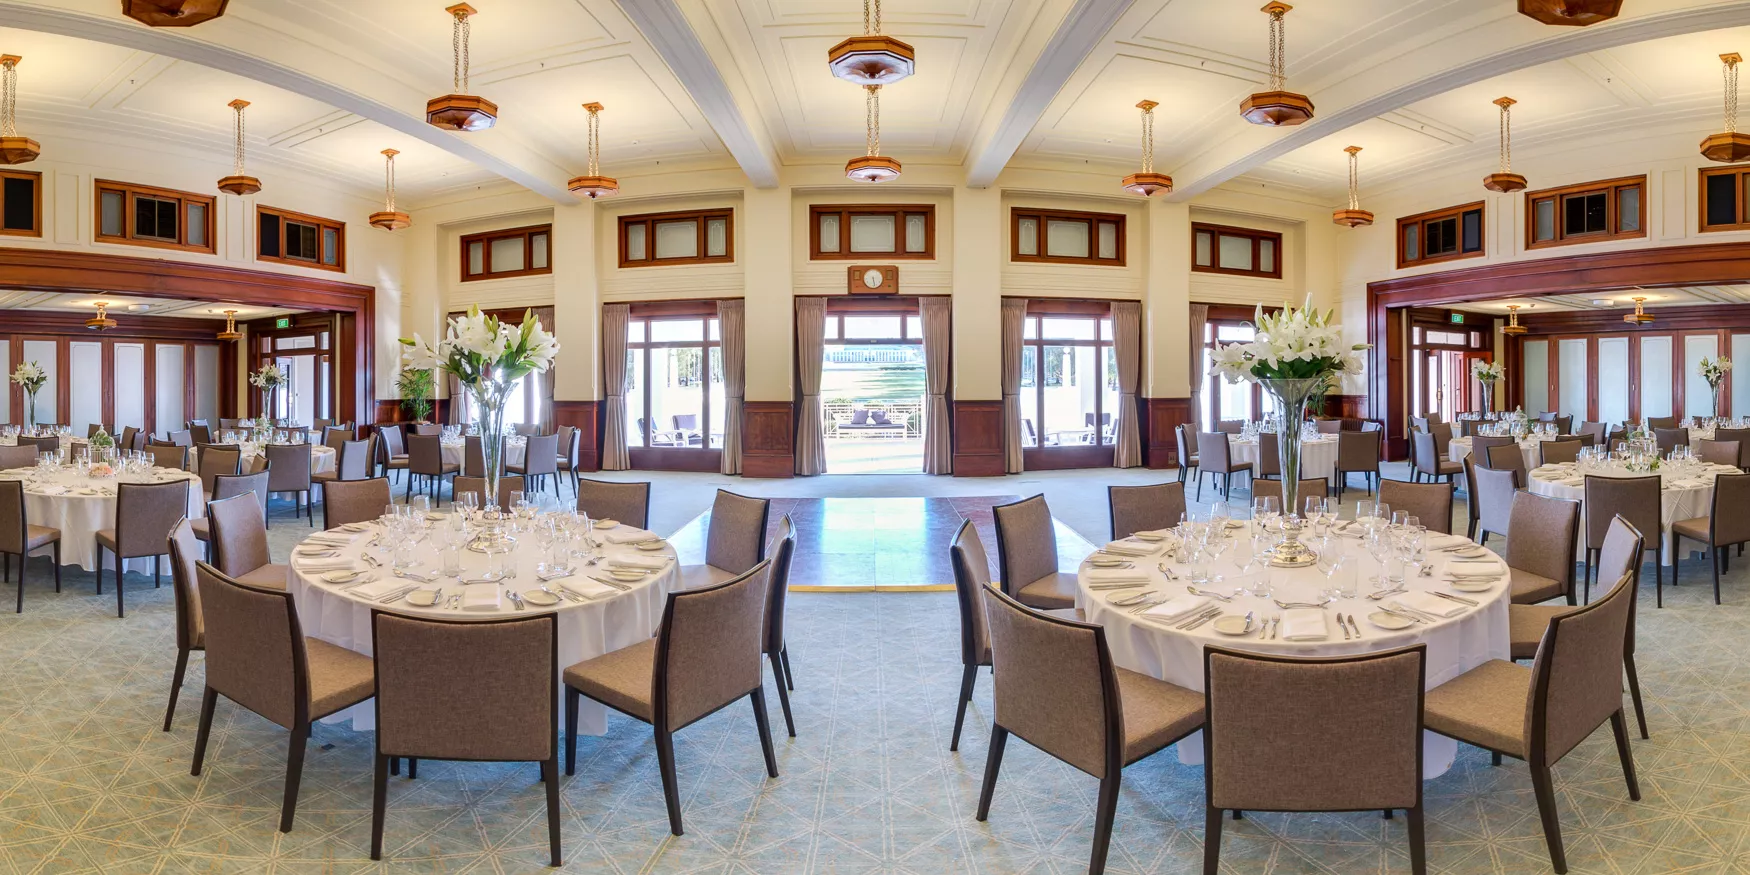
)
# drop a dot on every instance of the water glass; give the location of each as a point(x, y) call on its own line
point(452, 557)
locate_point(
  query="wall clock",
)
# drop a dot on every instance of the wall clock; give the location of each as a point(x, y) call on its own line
point(873, 279)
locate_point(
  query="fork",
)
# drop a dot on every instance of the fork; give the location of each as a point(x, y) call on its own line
point(568, 594)
point(515, 599)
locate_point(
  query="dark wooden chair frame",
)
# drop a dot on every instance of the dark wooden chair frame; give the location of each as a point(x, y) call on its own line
point(24, 558)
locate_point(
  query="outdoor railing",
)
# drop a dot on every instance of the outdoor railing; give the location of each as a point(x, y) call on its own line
point(900, 413)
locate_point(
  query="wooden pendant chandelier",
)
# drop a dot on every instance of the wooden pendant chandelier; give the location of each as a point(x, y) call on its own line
point(1728, 146)
point(1505, 179)
point(1354, 215)
point(238, 183)
point(14, 149)
point(101, 322)
point(1147, 182)
point(593, 184)
point(871, 59)
point(1277, 107)
point(389, 218)
point(173, 13)
point(1639, 316)
point(872, 167)
point(459, 110)
point(1571, 13)
point(230, 332)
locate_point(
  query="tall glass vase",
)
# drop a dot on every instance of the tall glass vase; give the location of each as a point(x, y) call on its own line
point(1488, 397)
point(489, 401)
point(1291, 397)
point(30, 410)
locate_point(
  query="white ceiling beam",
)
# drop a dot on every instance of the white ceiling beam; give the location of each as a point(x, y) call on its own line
point(1082, 30)
point(667, 30)
point(1357, 98)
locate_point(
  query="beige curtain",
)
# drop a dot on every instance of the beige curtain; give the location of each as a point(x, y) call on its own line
point(458, 401)
point(615, 456)
point(544, 400)
point(1199, 318)
point(1014, 315)
point(1127, 351)
point(938, 445)
point(810, 348)
point(732, 327)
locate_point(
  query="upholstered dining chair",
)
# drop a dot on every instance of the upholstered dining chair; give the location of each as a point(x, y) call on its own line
point(735, 539)
point(1359, 452)
point(474, 457)
point(1480, 444)
point(540, 460)
point(168, 456)
point(183, 438)
point(240, 549)
point(335, 436)
point(1027, 554)
point(442, 695)
point(781, 550)
point(1339, 759)
point(200, 431)
point(215, 459)
point(507, 484)
point(190, 626)
point(1269, 464)
point(1135, 509)
point(1635, 499)
point(18, 537)
point(1539, 714)
point(21, 456)
point(1492, 491)
point(1669, 439)
point(705, 656)
point(1508, 457)
point(1318, 487)
point(352, 461)
point(567, 460)
point(425, 463)
point(128, 437)
point(1187, 440)
point(1727, 523)
point(288, 471)
point(1658, 422)
point(1215, 457)
point(1430, 462)
point(1565, 423)
point(226, 486)
point(354, 501)
point(1429, 502)
point(628, 503)
point(427, 428)
point(1056, 688)
point(321, 424)
point(1541, 539)
point(392, 448)
point(1742, 436)
point(144, 515)
point(1597, 431)
point(1718, 451)
point(1561, 451)
point(258, 657)
point(1328, 426)
point(1231, 426)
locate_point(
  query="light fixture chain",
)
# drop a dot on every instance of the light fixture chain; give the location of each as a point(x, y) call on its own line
point(1148, 141)
point(1354, 181)
point(595, 143)
point(389, 179)
point(1506, 139)
point(1278, 52)
point(1731, 97)
point(240, 130)
point(872, 120)
point(9, 103)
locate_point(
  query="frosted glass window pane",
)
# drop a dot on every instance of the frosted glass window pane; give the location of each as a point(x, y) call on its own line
point(1236, 252)
point(1536, 375)
point(130, 385)
point(829, 233)
point(1108, 240)
point(672, 330)
point(171, 380)
point(1628, 209)
point(1066, 239)
point(872, 234)
point(476, 258)
point(197, 224)
point(677, 239)
point(634, 242)
point(507, 254)
point(1740, 385)
point(5, 390)
point(716, 237)
point(111, 220)
point(1573, 377)
point(538, 257)
point(1267, 256)
point(85, 370)
point(871, 327)
point(916, 239)
point(1613, 379)
point(1546, 219)
point(1028, 233)
point(1203, 245)
point(330, 244)
point(44, 353)
point(1655, 376)
point(1069, 328)
point(206, 384)
point(1698, 399)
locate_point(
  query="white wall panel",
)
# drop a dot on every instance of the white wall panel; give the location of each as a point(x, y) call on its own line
point(1574, 377)
point(171, 384)
point(130, 385)
point(1655, 376)
point(1741, 382)
point(85, 376)
point(5, 384)
point(44, 353)
point(206, 384)
point(1698, 399)
point(1536, 376)
point(1613, 379)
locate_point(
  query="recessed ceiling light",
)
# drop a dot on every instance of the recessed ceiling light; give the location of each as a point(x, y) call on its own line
point(1602, 302)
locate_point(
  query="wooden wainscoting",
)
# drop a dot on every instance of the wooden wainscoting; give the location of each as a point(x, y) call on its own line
point(978, 438)
point(586, 417)
point(1346, 406)
point(1161, 442)
point(768, 439)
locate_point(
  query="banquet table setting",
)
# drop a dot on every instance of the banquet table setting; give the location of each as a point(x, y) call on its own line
point(455, 451)
point(1318, 454)
point(254, 455)
point(1531, 447)
point(80, 500)
point(1686, 487)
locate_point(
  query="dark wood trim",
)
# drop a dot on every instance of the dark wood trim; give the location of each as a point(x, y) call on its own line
point(1067, 306)
point(1740, 204)
point(485, 238)
point(1421, 222)
point(1067, 457)
point(128, 327)
point(1161, 419)
point(586, 417)
point(696, 308)
point(1610, 187)
point(1256, 235)
point(36, 208)
point(338, 227)
point(978, 438)
point(131, 190)
point(846, 211)
point(698, 217)
point(768, 439)
point(1044, 216)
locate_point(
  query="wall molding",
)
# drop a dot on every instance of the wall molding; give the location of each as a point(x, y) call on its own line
point(978, 438)
point(768, 439)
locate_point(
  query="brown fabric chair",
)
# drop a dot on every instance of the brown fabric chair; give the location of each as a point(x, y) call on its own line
point(1479, 447)
point(442, 694)
point(190, 627)
point(1727, 523)
point(1215, 456)
point(1429, 502)
point(540, 460)
point(1742, 436)
point(216, 459)
point(354, 501)
point(507, 484)
point(1337, 759)
point(1719, 452)
point(21, 456)
point(321, 424)
point(1269, 464)
point(1540, 713)
point(782, 550)
point(130, 436)
point(1187, 439)
point(1495, 489)
point(1636, 500)
point(1231, 426)
point(336, 436)
point(1430, 462)
point(1657, 422)
point(288, 470)
point(1564, 423)
point(427, 428)
point(1133, 509)
point(144, 515)
point(258, 657)
point(705, 656)
point(353, 461)
point(392, 448)
point(240, 549)
point(1317, 486)
point(425, 461)
point(45, 446)
point(1541, 537)
point(169, 456)
point(1358, 452)
point(474, 457)
point(567, 460)
point(184, 438)
point(228, 485)
point(735, 540)
point(1056, 688)
point(18, 537)
point(1027, 555)
point(1669, 439)
point(1560, 451)
point(1594, 430)
point(1329, 426)
point(628, 503)
point(200, 432)
point(1509, 457)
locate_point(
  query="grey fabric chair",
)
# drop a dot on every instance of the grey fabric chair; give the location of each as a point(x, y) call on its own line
point(21, 456)
point(130, 436)
point(735, 540)
point(392, 448)
point(1215, 457)
point(239, 540)
point(507, 484)
point(1658, 422)
point(1480, 444)
point(1561, 451)
point(184, 438)
point(45, 446)
point(216, 459)
point(1231, 426)
point(228, 485)
point(628, 503)
point(427, 428)
point(705, 656)
point(353, 461)
point(540, 460)
point(567, 460)
point(1431, 463)
point(1596, 430)
point(782, 550)
point(1494, 491)
point(1564, 423)
point(1133, 509)
point(144, 515)
point(1669, 439)
point(168, 456)
point(1027, 555)
point(200, 431)
point(1359, 452)
point(1338, 759)
point(1540, 713)
point(190, 626)
point(1719, 452)
point(1187, 438)
point(1508, 457)
point(1541, 538)
point(1318, 487)
point(1269, 464)
point(288, 470)
point(474, 457)
point(18, 537)
point(1329, 426)
point(1637, 500)
point(336, 436)
point(1727, 523)
point(354, 501)
point(1056, 688)
point(1742, 436)
point(258, 657)
point(527, 429)
point(1429, 502)
point(442, 694)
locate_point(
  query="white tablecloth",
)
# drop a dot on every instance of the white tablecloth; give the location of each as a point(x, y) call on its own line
point(1459, 448)
point(1318, 457)
point(455, 453)
point(67, 440)
point(1153, 647)
point(586, 630)
point(1678, 500)
point(87, 506)
point(322, 459)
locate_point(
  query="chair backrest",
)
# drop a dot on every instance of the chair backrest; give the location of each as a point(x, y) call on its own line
point(1479, 446)
point(477, 485)
point(708, 647)
point(527, 429)
point(567, 435)
point(1026, 541)
point(1429, 502)
point(1427, 458)
point(1576, 678)
point(1366, 757)
point(427, 428)
point(288, 467)
point(1621, 553)
point(1556, 452)
point(393, 444)
point(1542, 535)
point(1636, 499)
point(541, 455)
point(144, 515)
point(1145, 508)
point(1495, 488)
point(1190, 433)
point(474, 457)
point(1055, 685)
point(334, 436)
point(1564, 423)
point(13, 517)
point(1316, 487)
point(129, 436)
point(1658, 422)
point(321, 423)
point(1231, 426)
point(1442, 432)
point(1595, 429)
point(971, 575)
point(1269, 456)
point(442, 691)
point(185, 551)
point(1547, 416)
point(1329, 426)
point(228, 485)
point(735, 536)
point(1468, 427)
point(355, 460)
point(1359, 450)
point(1742, 436)
point(216, 459)
point(1434, 417)
point(255, 647)
point(239, 535)
point(425, 454)
point(44, 445)
point(354, 501)
point(1214, 454)
point(781, 550)
point(168, 456)
point(21, 456)
point(1730, 518)
point(1670, 438)
point(200, 432)
point(1508, 457)
point(1719, 452)
point(628, 503)
point(182, 438)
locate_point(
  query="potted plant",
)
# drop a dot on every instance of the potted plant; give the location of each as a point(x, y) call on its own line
point(32, 377)
point(416, 386)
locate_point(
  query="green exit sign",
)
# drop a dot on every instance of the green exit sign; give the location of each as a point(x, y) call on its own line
point(286, 322)
point(1457, 318)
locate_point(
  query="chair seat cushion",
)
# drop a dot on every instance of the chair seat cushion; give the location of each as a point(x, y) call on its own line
point(202, 532)
point(1156, 713)
point(1051, 592)
point(696, 576)
point(397, 463)
point(1529, 588)
point(267, 576)
point(622, 679)
point(1695, 529)
point(338, 677)
point(106, 539)
point(40, 536)
point(1526, 625)
point(1484, 706)
point(1450, 467)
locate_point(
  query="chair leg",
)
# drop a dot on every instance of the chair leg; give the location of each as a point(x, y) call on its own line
point(671, 793)
point(23, 562)
point(967, 678)
point(1199, 485)
point(208, 699)
point(379, 800)
point(57, 566)
point(98, 576)
point(412, 768)
point(1719, 558)
point(310, 509)
point(1543, 786)
point(1418, 844)
point(783, 695)
point(1634, 693)
point(1104, 814)
point(550, 773)
point(789, 676)
point(571, 697)
point(294, 774)
point(1587, 565)
point(993, 761)
point(764, 725)
point(120, 608)
point(175, 686)
point(1619, 727)
point(1211, 840)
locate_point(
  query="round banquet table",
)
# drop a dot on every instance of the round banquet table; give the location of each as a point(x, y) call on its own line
point(455, 452)
point(322, 459)
point(608, 621)
point(80, 506)
point(1459, 448)
point(1679, 498)
point(67, 440)
point(1154, 647)
point(1318, 456)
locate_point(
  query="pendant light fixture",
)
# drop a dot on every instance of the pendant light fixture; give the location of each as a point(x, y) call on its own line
point(173, 13)
point(873, 167)
point(237, 183)
point(1728, 146)
point(1513, 326)
point(1639, 316)
point(1572, 13)
point(230, 332)
point(459, 110)
point(1278, 106)
point(1354, 215)
point(14, 149)
point(871, 59)
point(1505, 180)
point(1146, 181)
point(389, 218)
point(101, 322)
point(593, 184)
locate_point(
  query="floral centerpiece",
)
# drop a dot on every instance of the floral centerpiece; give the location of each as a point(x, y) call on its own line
point(101, 469)
point(1487, 374)
point(32, 378)
point(102, 440)
point(1714, 371)
point(268, 380)
point(1294, 354)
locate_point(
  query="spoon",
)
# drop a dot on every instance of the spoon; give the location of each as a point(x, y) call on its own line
point(1195, 591)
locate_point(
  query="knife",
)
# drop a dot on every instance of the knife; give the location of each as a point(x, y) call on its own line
point(1451, 597)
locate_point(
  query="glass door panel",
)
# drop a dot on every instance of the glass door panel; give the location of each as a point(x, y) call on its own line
point(1573, 375)
point(1656, 376)
point(1613, 380)
point(1698, 399)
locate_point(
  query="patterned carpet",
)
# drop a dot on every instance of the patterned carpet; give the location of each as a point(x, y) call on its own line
point(89, 783)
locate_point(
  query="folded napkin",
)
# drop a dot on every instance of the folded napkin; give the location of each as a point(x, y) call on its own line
point(1431, 605)
point(638, 564)
point(50, 490)
point(333, 563)
point(376, 589)
point(1305, 624)
point(587, 587)
point(480, 597)
point(1159, 533)
point(628, 535)
point(1115, 575)
point(1474, 567)
point(1441, 542)
point(332, 538)
point(1178, 607)
point(1131, 548)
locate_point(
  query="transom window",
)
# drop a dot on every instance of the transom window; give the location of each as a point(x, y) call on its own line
point(293, 238)
point(1442, 235)
point(677, 238)
point(1066, 237)
point(1725, 199)
point(1069, 381)
point(1587, 212)
point(507, 253)
point(139, 215)
point(888, 231)
point(21, 203)
point(1242, 251)
point(674, 371)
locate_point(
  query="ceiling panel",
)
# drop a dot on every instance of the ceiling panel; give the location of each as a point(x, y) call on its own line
point(123, 306)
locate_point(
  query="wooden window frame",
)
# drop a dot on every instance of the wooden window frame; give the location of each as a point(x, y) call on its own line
point(1739, 201)
point(698, 217)
point(846, 211)
point(1256, 235)
point(1040, 456)
point(527, 232)
point(1610, 187)
point(129, 191)
point(675, 458)
point(1421, 221)
point(1044, 218)
point(339, 229)
point(36, 208)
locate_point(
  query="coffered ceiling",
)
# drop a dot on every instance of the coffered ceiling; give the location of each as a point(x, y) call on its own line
point(122, 306)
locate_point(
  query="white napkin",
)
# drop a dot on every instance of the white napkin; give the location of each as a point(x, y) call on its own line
point(332, 539)
point(332, 563)
point(1115, 575)
point(1305, 624)
point(1474, 567)
point(1441, 542)
point(638, 564)
point(480, 597)
point(1178, 607)
point(1131, 548)
point(628, 535)
point(51, 490)
point(583, 586)
point(1159, 533)
point(376, 589)
point(1430, 604)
